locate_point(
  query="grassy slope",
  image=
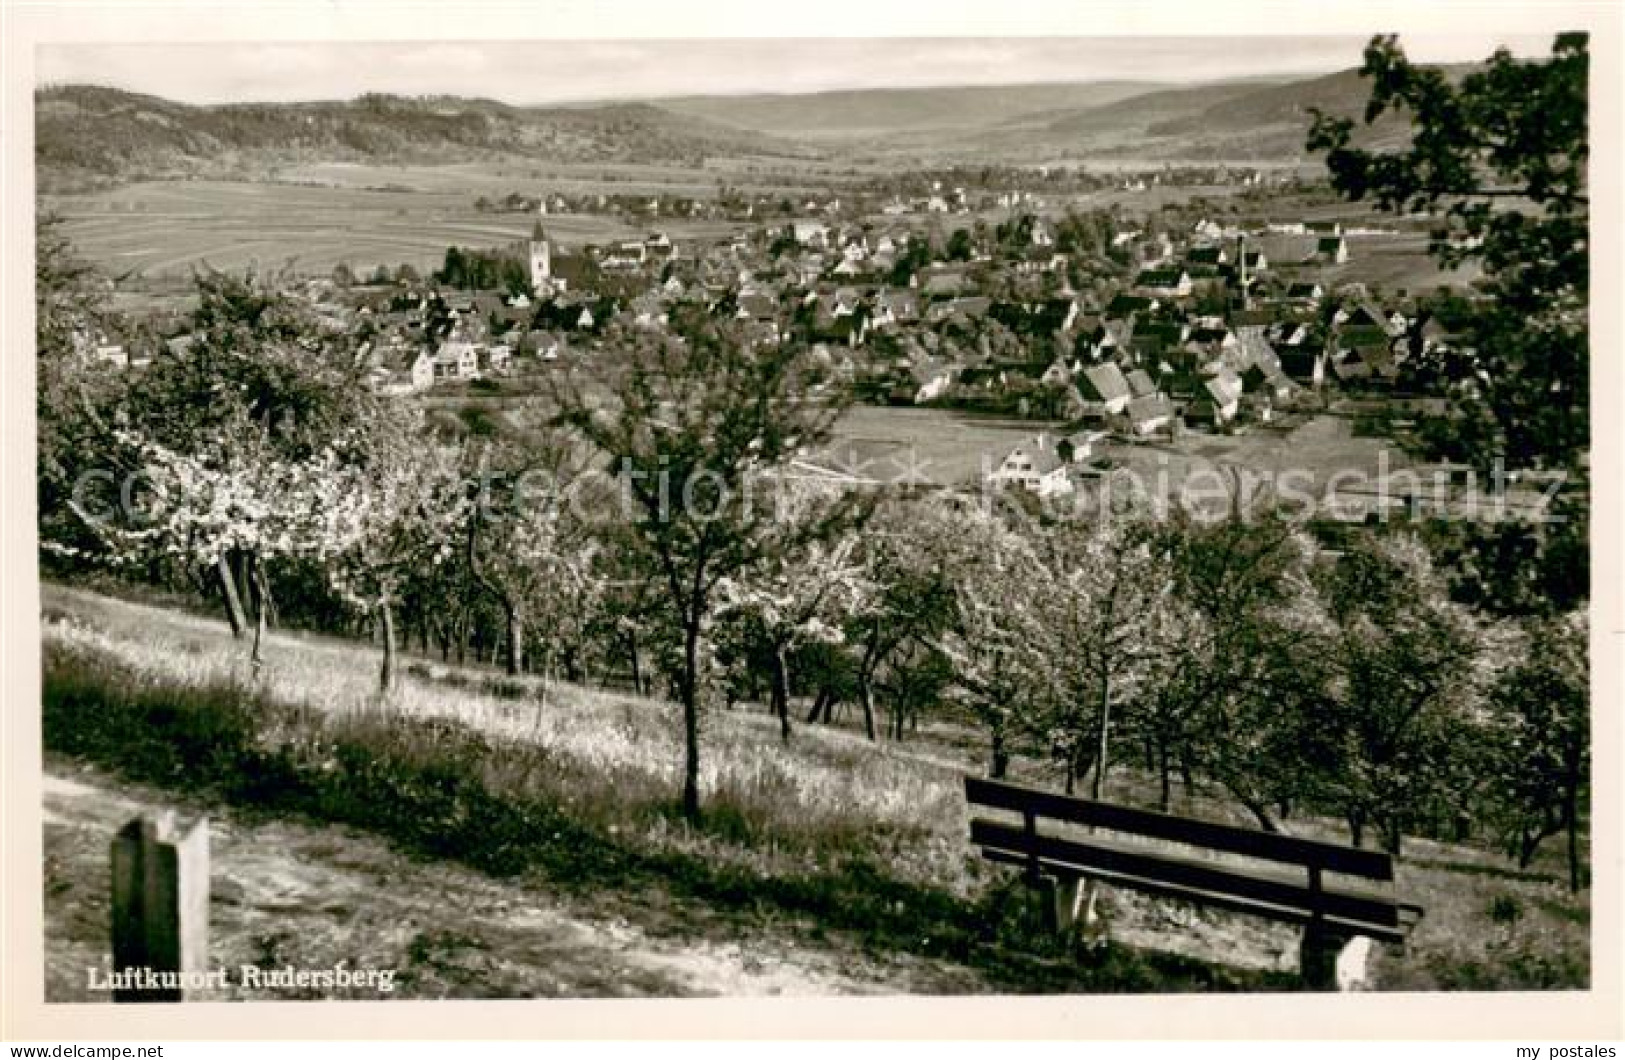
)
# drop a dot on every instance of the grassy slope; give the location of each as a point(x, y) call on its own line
point(832, 842)
point(290, 893)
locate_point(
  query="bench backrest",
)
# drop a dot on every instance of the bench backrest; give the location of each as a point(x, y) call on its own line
point(1315, 855)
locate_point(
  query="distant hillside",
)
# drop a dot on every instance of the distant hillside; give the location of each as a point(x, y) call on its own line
point(828, 116)
point(1228, 120)
point(88, 136)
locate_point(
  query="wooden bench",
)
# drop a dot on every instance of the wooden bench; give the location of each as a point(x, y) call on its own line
point(1283, 878)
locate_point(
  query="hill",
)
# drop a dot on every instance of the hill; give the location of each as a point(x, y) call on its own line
point(88, 136)
point(1265, 121)
point(1258, 119)
point(857, 114)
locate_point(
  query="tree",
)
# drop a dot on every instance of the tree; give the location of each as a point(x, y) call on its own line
point(392, 510)
point(798, 597)
point(527, 546)
point(75, 398)
point(1111, 626)
point(258, 385)
point(692, 425)
point(1504, 152)
point(1539, 736)
point(1242, 710)
point(235, 494)
point(910, 597)
point(1408, 673)
point(995, 640)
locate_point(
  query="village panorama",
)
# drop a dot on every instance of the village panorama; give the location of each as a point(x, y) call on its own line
point(1076, 535)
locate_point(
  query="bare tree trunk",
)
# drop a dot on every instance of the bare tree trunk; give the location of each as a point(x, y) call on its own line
point(257, 659)
point(781, 692)
point(1098, 785)
point(242, 575)
point(234, 603)
point(637, 665)
point(386, 673)
point(866, 696)
point(1165, 793)
point(1000, 752)
point(691, 720)
point(820, 706)
point(516, 639)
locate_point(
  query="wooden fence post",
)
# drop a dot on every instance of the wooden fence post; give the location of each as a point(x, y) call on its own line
point(160, 907)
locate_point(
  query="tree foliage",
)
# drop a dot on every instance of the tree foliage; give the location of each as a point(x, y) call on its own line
point(1503, 155)
point(694, 426)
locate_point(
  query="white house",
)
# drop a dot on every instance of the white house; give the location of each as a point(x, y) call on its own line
point(457, 358)
point(1035, 466)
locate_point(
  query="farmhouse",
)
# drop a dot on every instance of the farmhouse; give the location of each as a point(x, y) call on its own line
point(457, 358)
point(1035, 466)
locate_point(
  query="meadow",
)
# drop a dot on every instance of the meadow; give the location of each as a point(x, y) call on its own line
point(567, 794)
point(161, 230)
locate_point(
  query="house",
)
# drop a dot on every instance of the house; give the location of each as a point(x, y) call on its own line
point(498, 358)
point(1104, 390)
point(896, 305)
point(1126, 305)
point(1149, 414)
point(1333, 249)
point(546, 345)
point(959, 310)
point(1140, 384)
point(1303, 364)
point(457, 358)
point(811, 233)
point(941, 282)
point(1079, 446)
point(1272, 386)
point(1305, 292)
point(1035, 466)
point(935, 378)
point(113, 353)
point(399, 368)
point(1168, 283)
point(1223, 390)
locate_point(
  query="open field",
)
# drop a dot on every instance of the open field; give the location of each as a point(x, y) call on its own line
point(924, 446)
point(163, 229)
point(1397, 263)
point(534, 177)
point(826, 848)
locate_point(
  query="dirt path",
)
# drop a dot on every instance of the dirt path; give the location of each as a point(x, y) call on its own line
point(290, 894)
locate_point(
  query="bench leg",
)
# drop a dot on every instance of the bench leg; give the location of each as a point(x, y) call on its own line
point(1064, 902)
point(1330, 961)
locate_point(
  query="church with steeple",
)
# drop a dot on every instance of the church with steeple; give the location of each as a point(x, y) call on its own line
point(541, 263)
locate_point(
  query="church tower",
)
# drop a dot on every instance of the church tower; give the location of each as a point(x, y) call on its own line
point(541, 262)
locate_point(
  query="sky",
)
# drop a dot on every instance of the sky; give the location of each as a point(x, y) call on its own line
point(544, 71)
